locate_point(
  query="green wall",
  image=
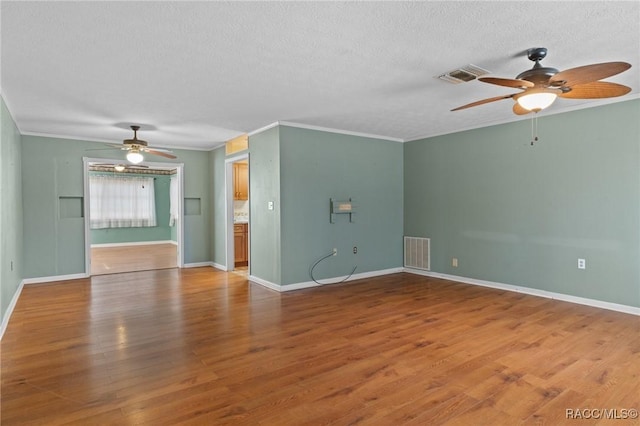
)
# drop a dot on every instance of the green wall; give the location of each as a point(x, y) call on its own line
point(522, 215)
point(300, 170)
point(161, 232)
point(218, 224)
point(265, 224)
point(53, 244)
point(197, 232)
point(317, 166)
point(11, 254)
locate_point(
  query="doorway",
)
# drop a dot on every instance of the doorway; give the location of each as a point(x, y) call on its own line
point(113, 249)
point(237, 213)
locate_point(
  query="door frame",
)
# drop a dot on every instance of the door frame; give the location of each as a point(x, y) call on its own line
point(230, 244)
point(179, 167)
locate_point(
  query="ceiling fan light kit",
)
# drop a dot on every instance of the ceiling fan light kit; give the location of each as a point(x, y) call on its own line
point(134, 156)
point(542, 85)
point(536, 101)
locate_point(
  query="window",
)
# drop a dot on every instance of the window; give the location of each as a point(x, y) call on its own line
point(122, 202)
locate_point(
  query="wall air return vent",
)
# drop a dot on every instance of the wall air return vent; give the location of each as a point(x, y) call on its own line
point(417, 253)
point(463, 75)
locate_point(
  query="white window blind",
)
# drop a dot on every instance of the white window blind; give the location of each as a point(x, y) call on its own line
point(122, 201)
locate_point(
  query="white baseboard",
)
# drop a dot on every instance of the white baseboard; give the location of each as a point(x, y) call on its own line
point(531, 291)
point(133, 243)
point(38, 280)
point(265, 283)
point(327, 281)
point(219, 266)
point(10, 308)
point(197, 264)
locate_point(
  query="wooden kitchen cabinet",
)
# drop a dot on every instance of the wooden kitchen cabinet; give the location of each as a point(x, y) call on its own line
point(240, 181)
point(241, 243)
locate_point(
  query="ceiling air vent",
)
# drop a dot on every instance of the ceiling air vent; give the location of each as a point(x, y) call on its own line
point(462, 75)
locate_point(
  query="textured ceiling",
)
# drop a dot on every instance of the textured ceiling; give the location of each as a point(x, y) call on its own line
point(194, 74)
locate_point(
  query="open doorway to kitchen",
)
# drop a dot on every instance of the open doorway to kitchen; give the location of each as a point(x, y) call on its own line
point(143, 233)
point(237, 217)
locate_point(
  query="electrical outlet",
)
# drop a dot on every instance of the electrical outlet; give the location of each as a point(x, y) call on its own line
point(335, 251)
point(355, 250)
point(582, 264)
point(454, 262)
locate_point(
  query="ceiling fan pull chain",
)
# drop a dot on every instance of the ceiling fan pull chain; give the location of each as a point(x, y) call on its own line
point(532, 132)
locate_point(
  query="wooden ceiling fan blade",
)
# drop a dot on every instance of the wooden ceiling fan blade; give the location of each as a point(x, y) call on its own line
point(596, 90)
point(483, 101)
point(507, 82)
point(159, 149)
point(160, 153)
point(588, 73)
point(112, 145)
point(519, 110)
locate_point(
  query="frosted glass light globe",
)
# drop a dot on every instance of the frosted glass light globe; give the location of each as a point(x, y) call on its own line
point(536, 101)
point(134, 157)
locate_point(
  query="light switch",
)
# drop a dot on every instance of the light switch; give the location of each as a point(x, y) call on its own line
point(270, 205)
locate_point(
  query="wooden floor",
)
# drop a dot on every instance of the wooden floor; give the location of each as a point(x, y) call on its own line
point(199, 346)
point(114, 260)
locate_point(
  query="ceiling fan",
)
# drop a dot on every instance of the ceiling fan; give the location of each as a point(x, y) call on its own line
point(137, 146)
point(540, 86)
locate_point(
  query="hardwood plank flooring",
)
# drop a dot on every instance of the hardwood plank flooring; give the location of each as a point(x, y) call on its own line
point(115, 260)
point(204, 347)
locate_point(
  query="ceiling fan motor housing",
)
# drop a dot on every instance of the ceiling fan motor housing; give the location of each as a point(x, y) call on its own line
point(138, 142)
point(538, 74)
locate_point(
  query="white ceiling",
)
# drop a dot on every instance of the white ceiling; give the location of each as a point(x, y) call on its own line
point(194, 74)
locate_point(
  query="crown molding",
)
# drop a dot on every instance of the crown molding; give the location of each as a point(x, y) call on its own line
point(339, 131)
point(76, 138)
point(263, 129)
